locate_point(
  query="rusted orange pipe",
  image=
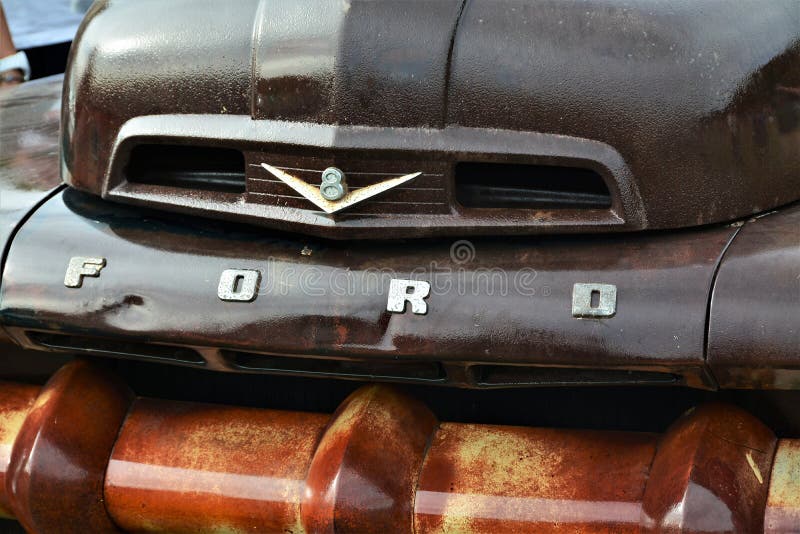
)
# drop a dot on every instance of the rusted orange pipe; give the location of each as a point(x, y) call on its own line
point(16, 401)
point(381, 462)
point(181, 467)
point(57, 465)
point(506, 479)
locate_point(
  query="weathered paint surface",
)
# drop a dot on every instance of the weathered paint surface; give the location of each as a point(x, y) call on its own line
point(364, 472)
point(480, 478)
point(59, 458)
point(710, 473)
point(15, 403)
point(180, 467)
point(783, 503)
point(86, 457)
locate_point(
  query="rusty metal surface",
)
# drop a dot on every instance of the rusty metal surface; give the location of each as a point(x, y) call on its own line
point(504, 303)
point(16, 401)
point(479, 478)
point(753, 334)
point(363, 476)
point(58, 462)
point(783, 503)
point(381, 462)
point(701, 123)
point(186, 468)
point(710, 473)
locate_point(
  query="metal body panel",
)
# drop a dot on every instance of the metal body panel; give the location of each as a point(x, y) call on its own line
point(490, 303)
point(427, 210)
point(706, 119)
point(754, 326)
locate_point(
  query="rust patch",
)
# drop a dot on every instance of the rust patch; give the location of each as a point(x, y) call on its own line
point(702, 478)
point(364, 472)
point(58, 461)
point(180, 467)
point(783, 503)
point(381, 463)
point(505, 479)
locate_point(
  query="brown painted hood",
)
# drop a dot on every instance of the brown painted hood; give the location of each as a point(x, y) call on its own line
point(364, 63)
point(689, 112)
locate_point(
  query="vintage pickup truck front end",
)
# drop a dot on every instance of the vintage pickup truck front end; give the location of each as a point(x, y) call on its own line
point(452, 266)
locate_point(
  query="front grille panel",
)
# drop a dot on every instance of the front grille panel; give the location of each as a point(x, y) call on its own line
point(493, 375)
point(525, 186)
point(200, 168)
point(365, 369)
point(524, 182)
point(426, 194)
point(115, 348)
point(407, 370)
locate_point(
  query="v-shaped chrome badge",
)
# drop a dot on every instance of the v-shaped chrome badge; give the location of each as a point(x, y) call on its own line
point(347, 198)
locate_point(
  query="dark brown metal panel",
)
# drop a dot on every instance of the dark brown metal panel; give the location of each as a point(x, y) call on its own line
point(754, 330)
point(783, 503)
point(364, 472)
point(710, 474)
point(57, 467)
point(180, 467)
point(493, 302)
point(367, 154)
point(480, 478)
point(16, 401)
point(689, 122)
point(189, 55)
point(357, 62)
point(707, 118)
point(29, 117)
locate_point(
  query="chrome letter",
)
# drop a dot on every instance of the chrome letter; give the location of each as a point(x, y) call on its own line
point(238, 285)
point(79, 267)
point(413, 291)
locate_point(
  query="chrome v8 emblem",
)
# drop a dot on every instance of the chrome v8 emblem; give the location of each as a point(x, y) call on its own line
point(332, 195)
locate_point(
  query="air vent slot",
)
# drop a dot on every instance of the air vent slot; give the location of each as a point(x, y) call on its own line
point(118, 348)
point(519, 186)
point(187, 167)
point(522, 375)
point(361, 369)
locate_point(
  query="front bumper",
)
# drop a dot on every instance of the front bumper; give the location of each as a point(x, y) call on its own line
point(85, 451)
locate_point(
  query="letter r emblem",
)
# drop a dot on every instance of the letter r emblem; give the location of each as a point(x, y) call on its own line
point(413, 291)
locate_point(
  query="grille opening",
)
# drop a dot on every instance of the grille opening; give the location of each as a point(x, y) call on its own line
point(520, 186)
point(118, 348)
point(188, 167)
point(362, 369)
point(521, 375)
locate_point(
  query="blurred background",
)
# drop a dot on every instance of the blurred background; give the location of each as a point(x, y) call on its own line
point(44, 30)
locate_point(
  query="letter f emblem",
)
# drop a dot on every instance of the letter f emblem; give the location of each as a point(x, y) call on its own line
point(79, 267)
